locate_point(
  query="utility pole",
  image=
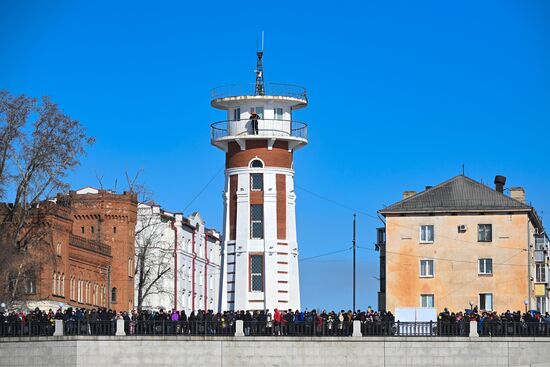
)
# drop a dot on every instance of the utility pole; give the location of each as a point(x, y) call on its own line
point(354, 247)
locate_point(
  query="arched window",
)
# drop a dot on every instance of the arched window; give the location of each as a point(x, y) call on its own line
point(113, 295)
point(62, 285)
point(54, 277)
point(256, 163)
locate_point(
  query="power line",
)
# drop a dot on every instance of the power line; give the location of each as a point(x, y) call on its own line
point(450, 260)
point(203, 189)
point(325, 254)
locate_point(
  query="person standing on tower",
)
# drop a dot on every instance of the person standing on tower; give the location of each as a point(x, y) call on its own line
point(254, 122)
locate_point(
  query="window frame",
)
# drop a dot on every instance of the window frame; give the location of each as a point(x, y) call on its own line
point(432, 233)
point(485, 302)
point(278, 116)
point(479, 231)
point(543, 278)
point(422, 267)
point(427, 296)
point(255, 174)
point(237, 114)
point(484, 261)
point(251, 275)
point(256, 221)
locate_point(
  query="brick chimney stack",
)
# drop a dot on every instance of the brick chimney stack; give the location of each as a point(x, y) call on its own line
point(408, 194)
point(518, 193)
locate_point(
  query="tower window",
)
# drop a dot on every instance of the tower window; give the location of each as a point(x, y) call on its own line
point(256, 273)
point(256, 221)
point(237, 114)
point(278, 113)
point(256, 181)
point(258, 110)
point(256, 163)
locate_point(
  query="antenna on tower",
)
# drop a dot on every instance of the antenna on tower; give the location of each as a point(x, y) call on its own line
point(259, 89)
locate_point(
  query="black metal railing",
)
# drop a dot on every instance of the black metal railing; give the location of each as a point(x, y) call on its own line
point(270, 89)
point(26, 328)
point(304, 328)
point(264, 127)
point(513, 328)
point(150, 327)
point(84, 327)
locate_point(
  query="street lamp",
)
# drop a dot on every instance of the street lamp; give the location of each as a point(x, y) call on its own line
point(526, 302)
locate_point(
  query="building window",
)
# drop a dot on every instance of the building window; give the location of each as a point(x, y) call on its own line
point(486, 266)
point(62, 290)
point(256, 273)
point(427, 300)
point(58, 249)
point(426, 234)
point(113, 295)
point(114, 229)
point(426, 268)
point(486, 301)
point(256, 163)
point(30, 283)
point(278, 113)
point(92, 229)
point(54, 282)
point(256, 181)
point(540, 273)
point(130, 267)
point(541, 304)
point(258, 110)
point(484, 232)
point(237, 114)
point(257, 221)
point(82, 230)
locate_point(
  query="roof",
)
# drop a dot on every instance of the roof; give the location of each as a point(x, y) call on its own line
point(459, 194)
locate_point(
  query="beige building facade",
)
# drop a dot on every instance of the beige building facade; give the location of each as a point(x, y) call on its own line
point(463, 244)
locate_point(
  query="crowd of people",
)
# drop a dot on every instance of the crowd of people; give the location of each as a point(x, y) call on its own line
point(80, 321)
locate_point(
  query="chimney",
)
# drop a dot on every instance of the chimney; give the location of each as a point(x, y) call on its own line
point(499, 183)
point(517, 193)
point(408, 194)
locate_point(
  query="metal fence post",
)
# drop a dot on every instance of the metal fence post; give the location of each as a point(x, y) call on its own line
point(58, 328)
point(473, 329)
point(120, 328)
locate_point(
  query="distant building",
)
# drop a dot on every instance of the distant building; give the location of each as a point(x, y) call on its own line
point(462, 243)
point(178, 261)
point(89, 245)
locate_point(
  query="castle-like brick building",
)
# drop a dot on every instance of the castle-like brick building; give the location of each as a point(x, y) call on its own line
point(92, 235)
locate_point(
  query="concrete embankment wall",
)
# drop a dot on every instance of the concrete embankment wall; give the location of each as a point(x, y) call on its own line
point(273, 351)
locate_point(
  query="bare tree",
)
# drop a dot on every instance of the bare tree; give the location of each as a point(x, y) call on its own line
point(39, 145)
point(153, 255)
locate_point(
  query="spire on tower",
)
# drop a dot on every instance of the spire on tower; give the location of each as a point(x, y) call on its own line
point(259, 89)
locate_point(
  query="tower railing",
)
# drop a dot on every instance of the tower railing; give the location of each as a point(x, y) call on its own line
point(270, 89)
point(265, 127)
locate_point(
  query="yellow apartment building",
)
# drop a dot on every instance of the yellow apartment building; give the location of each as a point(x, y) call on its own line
point(462, 243)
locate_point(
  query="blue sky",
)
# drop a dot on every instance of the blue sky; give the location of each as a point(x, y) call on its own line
point(401, 95)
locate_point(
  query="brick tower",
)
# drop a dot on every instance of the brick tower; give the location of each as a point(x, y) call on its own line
point(259, 137)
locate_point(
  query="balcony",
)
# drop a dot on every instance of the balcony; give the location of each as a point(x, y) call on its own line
point(295, 132)
point(289, 91)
